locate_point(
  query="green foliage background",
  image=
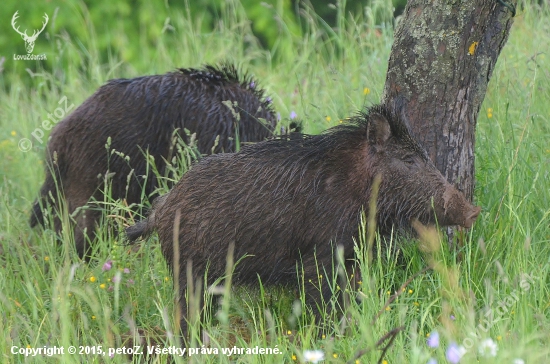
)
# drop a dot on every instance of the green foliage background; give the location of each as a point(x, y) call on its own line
point(104, 30)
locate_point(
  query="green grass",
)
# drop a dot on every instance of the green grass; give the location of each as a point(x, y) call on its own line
point(50, 298)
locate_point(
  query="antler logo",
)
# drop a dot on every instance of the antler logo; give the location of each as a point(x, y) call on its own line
point(29, 41)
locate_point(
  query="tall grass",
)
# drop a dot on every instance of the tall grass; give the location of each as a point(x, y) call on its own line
point(48, 297)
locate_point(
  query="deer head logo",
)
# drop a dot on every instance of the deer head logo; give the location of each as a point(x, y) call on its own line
point(29, 41)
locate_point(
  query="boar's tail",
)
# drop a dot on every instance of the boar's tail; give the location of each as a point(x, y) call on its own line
point(48, 198)
point(135, 231)
point(37, 215)
point(145, 227)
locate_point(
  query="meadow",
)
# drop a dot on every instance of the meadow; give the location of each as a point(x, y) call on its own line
point(493, 291)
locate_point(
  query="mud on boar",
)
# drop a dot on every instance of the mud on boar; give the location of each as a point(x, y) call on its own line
point(139, 115)
point(282, 201)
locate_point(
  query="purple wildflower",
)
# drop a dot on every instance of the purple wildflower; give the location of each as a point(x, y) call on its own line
point(107, 266)
point(126, 270)
point(252, 84)
point(293, 115)
point(433, 340)
point(454, 353)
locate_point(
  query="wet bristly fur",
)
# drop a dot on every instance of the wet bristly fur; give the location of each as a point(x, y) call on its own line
point(289, 202)
point(140, 115)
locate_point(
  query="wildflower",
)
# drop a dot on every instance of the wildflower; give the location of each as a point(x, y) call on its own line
point(116, 279)
point(294, 357)
point(102, 286)
point(289, 332)
point(328, 118)
point(13, 133)
point(131, 281)
point(499, 337)
point(46, 258)
point(314, 356)
point(410, 291)
point(323, 336)
point(416, 304)
point(166, 279)
point(293, 115)
point(388, 308)
point(252, 84)
point(488, 348)
point(366, 91)
point(335, 355)
point(452, 317)
point(269, 100)
point(455, 353)
point(433, 340)
point(490, 112)
point(28, 346)
point(92, 279)
point(93, 317)
point(278, 116)
point(518, 361)
point(432, 361)
point(107, 266)
point(384, 361)
point(126, 270)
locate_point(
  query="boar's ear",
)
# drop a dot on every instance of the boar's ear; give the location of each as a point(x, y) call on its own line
point(378, 131)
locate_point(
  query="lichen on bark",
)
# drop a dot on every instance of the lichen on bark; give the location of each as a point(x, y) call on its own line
point(441, 62)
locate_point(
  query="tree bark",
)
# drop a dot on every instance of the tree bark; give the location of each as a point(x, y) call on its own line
point(440, 64)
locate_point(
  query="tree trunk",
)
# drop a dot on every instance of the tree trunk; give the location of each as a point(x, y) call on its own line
point(440, 64)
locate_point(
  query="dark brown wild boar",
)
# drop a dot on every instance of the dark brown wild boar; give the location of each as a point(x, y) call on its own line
point(139, 115)
point(290, 202)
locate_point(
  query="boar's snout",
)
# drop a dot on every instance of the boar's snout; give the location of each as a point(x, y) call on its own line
point(471, 216)
point(457, 210)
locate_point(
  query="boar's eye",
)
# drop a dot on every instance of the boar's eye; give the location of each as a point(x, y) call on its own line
point(409, 160)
